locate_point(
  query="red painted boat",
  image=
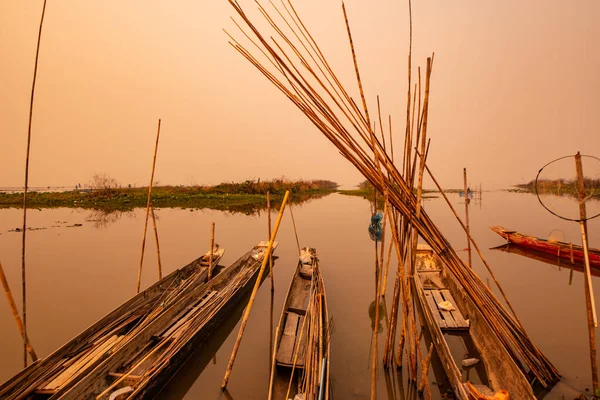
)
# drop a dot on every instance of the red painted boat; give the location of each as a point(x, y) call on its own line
point(567, 251)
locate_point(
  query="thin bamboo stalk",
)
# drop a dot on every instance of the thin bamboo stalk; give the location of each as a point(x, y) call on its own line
point(25, 187)
point(157, 243)
point(15, 312)
point(425, 370)
point(295, 230)
point(211, 250)
point(467, 216)
point(139, 278)
point(269, 230)
point(253, 295)
point(589, 292)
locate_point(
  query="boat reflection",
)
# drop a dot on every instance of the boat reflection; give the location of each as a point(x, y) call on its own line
point(545, 258)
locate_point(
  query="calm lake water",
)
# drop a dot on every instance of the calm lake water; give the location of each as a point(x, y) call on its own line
point(76, 275)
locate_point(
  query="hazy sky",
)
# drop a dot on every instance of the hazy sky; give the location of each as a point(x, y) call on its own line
point(515, 84)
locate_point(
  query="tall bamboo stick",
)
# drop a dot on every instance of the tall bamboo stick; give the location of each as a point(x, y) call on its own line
point(156, 240)
point(13, 308)
point(467, 215)
point(25, 186)
point(269, 226)
point(210, 252)
point(236, 346)
point(589, 293)
point(139, 279)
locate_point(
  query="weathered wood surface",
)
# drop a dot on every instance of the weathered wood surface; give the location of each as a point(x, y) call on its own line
point(42, 371)
point(150, 343)
point(292, 329)
point(502, 371)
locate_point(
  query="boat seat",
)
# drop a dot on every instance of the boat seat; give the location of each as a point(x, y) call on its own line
point(447, 320)
point(286, 353)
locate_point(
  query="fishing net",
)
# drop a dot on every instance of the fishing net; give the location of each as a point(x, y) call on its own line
point(556, 186)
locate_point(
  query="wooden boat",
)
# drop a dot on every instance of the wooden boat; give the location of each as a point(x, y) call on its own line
point(144, 363)
point(546, 258)
point(80, 355)
point(451, 316)
point(567, 251)
point(301, 355)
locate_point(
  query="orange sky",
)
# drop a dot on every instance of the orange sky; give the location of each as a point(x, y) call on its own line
point(515, 84)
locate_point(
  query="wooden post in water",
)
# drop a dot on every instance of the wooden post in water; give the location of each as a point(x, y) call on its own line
point(23, 275)
point(236, 346)
point(139, 279)
point(13, 308)
point(210, 251)
point(467, 216)
point(157, 244)
point(589, 293)
point(269, 223)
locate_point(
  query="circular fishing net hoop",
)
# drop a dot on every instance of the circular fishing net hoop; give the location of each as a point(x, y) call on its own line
point(556, 187)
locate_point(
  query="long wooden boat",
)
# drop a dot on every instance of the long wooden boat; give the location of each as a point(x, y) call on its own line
point(144, 363)
point(73, 360)
point(566, 251)
point(546, 258)
point(301, 355)
point(451, 316)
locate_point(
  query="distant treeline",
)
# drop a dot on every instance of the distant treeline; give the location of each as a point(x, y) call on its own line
point(106, 193)
point(562, 186)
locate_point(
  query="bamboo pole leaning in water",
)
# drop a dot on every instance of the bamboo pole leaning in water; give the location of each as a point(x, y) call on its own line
point(589, 293)
point(13, 308)
point(269, 225)
point(139, 279)
point(467, 216)
point(236, 346)
point(425, 370)
point(23, 275)
point(157, 244)
point(210, 251)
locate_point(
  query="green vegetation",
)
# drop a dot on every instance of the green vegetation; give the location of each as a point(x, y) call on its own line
point(561, 187)
point(244, 197)
point(366, 190)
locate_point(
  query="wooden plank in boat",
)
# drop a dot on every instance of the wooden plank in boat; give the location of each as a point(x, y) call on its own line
point(89, 359)
point(300, 292)
point(302, 347)
point(461, 322)
point(287, 344)
point(447, 315)
point(434, 309)
point(184, 318)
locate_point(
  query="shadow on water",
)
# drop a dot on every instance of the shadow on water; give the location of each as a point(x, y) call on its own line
point(103, 218)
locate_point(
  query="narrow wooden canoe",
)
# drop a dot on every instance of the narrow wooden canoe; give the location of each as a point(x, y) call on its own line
point(451, 316)
point(144, 363)
point(566, 251)
point(301, 354)
point(73, 360)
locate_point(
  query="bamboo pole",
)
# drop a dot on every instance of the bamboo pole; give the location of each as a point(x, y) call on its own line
point(467, 216)
point(15, 312)
point(295, 230)
point(253, 295)
point(25, 186)
point(425, 369)
point(589, 293)
point(210, 251)
point(269, 226)
point(139, 279)
point(156, 240)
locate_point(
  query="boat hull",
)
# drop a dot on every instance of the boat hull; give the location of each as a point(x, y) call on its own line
point(566, 251)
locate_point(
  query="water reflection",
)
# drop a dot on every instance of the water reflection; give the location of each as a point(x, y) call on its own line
point(546, 258)
point(102, 218)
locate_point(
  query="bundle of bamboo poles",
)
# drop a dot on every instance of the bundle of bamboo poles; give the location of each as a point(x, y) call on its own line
point(289, 57)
